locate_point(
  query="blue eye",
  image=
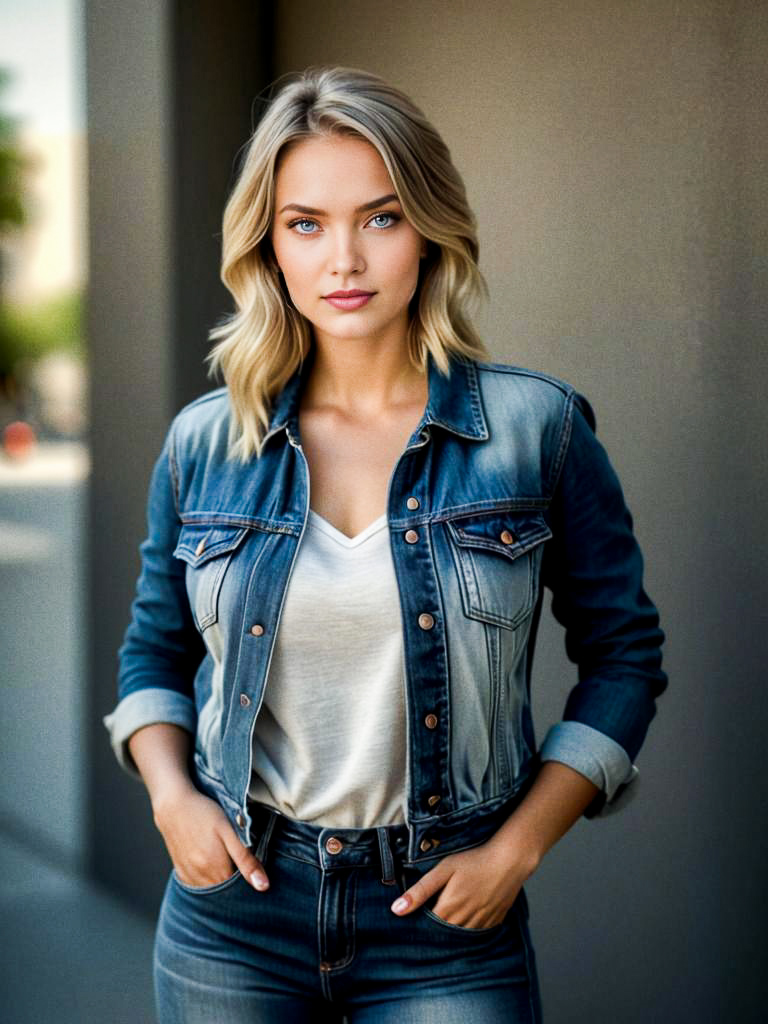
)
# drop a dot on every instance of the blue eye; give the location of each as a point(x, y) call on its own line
point(378, 217)
point(304, 221)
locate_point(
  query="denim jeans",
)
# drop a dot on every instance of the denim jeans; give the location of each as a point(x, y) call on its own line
point(321, 944)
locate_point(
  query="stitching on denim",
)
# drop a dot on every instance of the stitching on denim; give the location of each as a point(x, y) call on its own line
point(524, 942)
point(566, 428)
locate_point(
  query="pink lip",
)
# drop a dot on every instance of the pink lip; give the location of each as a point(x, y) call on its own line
point(348, 300)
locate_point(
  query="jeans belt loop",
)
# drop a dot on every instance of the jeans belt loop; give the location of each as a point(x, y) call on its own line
point(385, 852)
point(261, 849)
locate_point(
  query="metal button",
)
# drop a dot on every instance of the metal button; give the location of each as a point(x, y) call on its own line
point(411, 536)
point(240, 819)
point(426, 621)
point(257, 629)
point(507, 537)
point(325, 966)
point(245, 700)
point(334, 845)
point(431, 721)
point(433, 800)
point(412, 503)
point(425, 844)
point(200, 547)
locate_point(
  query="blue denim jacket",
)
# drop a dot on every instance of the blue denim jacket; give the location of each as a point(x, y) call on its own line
point(509, 492)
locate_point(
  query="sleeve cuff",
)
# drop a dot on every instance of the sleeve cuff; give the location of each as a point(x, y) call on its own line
point(598, 757)
point(146, 707)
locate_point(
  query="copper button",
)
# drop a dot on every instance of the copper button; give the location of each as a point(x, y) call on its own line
point(426, 621)
point(433, 800)
point(411, 536)
point(200, 547)
point(325, 966)
point(240, 820)
point(334, 845)
point(245, 700)
point(425, 844)
point(507, 538)
point(431, 721)
point(257, 629)
point(412, 503)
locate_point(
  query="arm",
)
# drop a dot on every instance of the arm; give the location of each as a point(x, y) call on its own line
point(162, 647)
point(594, 569)
point(153, 724)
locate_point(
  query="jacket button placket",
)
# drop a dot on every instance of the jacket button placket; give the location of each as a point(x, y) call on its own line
point(426, 656)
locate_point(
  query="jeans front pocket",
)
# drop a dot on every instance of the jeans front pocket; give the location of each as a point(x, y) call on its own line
point(409, 875)
point(206, 890)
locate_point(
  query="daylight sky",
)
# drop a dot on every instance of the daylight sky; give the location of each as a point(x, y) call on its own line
point(41, 42)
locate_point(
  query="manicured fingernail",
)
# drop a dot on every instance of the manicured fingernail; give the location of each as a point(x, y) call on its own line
point(259, 881)
point(400, 905)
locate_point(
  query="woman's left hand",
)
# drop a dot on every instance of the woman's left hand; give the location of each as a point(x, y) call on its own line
point(478, 885)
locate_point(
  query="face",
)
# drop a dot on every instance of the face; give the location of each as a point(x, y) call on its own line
point(339, 228)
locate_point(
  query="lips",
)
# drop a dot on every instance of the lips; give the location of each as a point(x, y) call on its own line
point(353, 299)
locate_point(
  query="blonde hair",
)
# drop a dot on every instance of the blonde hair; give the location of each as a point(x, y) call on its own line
point(260, 345)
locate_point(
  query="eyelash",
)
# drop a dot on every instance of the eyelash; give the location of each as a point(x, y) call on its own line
point(394, 217)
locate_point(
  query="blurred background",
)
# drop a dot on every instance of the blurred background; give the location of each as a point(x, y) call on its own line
point(615, 155)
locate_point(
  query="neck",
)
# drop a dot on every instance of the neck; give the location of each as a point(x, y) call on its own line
point(362, 377)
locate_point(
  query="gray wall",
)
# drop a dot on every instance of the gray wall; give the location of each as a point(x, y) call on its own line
point(614, 153)
point(615, 156)
point(164, 128)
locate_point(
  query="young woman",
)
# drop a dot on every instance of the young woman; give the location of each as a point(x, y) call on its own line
point(325, 682)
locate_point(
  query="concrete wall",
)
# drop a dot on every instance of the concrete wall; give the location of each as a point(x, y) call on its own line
point(165, 124)
point(615, 156)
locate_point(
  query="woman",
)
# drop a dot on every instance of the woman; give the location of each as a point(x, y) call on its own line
point(367, 515)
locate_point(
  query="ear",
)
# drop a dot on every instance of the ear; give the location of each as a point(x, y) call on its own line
point(423, 249)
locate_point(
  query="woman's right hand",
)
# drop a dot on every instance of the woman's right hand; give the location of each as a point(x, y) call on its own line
point(203, 845)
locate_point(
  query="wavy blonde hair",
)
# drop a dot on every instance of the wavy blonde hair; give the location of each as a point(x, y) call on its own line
point(260, 345)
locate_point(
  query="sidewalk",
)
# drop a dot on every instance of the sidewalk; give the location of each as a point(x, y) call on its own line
point(73, 955)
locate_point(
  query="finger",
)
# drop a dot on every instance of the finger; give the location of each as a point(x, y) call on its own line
point(248, 865)
point(422, 889)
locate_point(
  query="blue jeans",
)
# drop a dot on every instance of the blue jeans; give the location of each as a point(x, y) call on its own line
point(321, 945)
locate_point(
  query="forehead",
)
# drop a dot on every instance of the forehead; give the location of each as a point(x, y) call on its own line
point(338, 169)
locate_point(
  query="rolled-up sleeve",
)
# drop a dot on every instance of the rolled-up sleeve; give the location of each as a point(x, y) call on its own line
point(594, 569)
point(162, 647)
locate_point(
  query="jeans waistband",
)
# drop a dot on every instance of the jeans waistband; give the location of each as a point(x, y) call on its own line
point(381, 846)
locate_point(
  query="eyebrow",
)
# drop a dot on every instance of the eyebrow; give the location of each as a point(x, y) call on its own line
point(360, 209)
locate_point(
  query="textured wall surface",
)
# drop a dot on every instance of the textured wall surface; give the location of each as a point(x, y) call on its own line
point(614, 154)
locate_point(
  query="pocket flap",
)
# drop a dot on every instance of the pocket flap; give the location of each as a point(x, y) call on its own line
point(505, 533)
point(199, 542)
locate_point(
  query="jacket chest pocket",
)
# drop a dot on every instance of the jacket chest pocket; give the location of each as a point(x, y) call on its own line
point(497, 557)
point(207, 550)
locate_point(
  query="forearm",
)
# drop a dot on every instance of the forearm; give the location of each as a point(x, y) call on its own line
point(161, 752)
point(556, 800)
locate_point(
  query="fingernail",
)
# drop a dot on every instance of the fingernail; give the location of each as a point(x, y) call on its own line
point(259, 881)
point(400, 905)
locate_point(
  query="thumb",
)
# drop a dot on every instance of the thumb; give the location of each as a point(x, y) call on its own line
point(249, 867)
point(422, 889)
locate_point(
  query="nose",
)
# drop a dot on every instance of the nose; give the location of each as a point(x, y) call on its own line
point(346, 256)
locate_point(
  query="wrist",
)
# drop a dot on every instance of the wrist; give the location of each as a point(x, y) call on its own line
point(166, 794)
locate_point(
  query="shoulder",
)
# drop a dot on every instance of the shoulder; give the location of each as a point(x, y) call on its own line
point(202, 423)
point(509, 388)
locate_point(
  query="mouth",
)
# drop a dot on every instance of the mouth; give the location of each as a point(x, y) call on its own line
point(352, 299)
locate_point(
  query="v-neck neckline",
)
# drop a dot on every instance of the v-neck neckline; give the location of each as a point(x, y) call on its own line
point(341, 538)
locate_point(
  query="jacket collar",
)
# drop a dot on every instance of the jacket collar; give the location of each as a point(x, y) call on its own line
point(454, 402)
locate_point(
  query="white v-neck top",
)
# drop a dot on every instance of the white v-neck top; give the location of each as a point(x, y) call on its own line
point(329, 744)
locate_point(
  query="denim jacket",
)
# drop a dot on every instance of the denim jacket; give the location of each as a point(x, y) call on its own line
point(501, 492)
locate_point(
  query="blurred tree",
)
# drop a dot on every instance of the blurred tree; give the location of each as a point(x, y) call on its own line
point(12, 218)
